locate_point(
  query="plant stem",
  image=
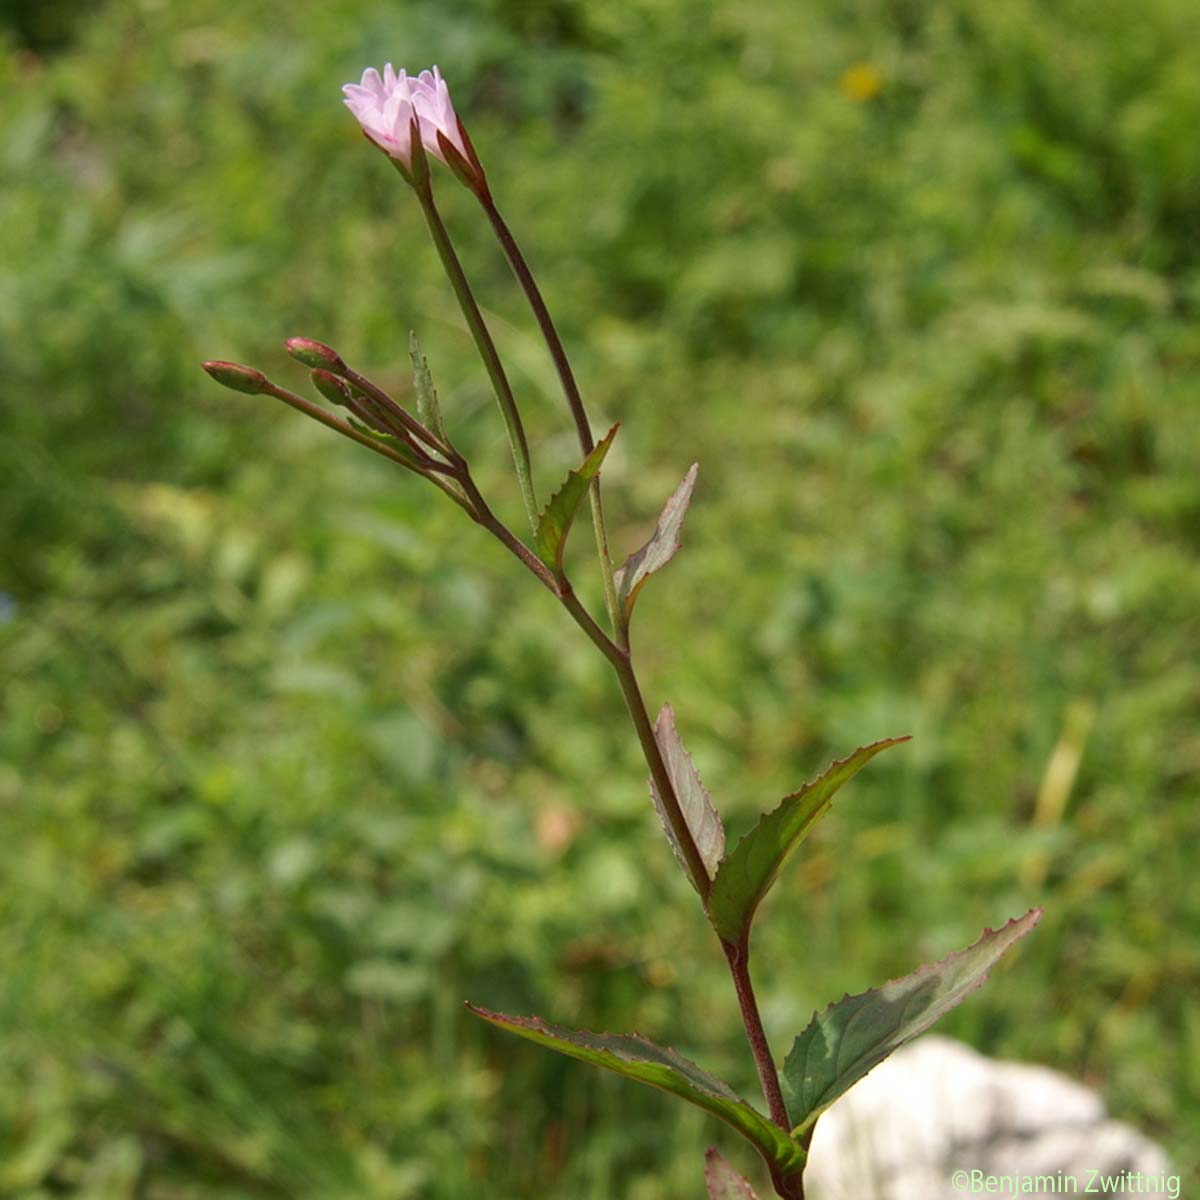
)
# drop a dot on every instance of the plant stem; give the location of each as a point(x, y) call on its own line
point(790, 1187)
point(587, 622)
point(570, 389)
point(623, 666)
point(619, 657)
point(738, 957)
point(487, 349)
point(328, 419)
point(737, 954)
point(483, 515)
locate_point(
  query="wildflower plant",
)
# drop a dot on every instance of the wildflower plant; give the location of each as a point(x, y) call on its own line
point(412, 119)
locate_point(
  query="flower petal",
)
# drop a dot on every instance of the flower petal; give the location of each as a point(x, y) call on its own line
point(372, 82)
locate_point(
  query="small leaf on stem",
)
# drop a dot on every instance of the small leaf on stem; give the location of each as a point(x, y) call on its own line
point(428, 409)
point(724, 1183)
point(843, 1043)
point(703, 820)
point(637, 1058)
point(661, 547)
point(746, 876)
point(368, 417)
point(555, 521)
point(370, 429)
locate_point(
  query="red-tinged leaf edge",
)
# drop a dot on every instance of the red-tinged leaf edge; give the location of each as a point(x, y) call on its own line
point(855, 1034)
point(703, 821)
point(722, 1181)
point(659, 549)
point(635, 1057)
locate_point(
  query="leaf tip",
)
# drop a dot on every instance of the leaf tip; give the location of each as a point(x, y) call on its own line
point(486, 1014)
point(607, 440)
point(1027, 920)
point(721, 1181)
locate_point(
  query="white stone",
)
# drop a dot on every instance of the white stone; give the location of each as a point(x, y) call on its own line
point(937, 1108)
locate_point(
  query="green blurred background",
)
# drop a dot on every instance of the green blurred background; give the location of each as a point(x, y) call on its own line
point(294, 760)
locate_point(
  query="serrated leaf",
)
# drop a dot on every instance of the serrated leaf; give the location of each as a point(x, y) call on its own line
point(724, 1183)
point(746, 876)
point(843, 1043)
point(555, 522)
point(429, 411)
point(703, 820)
point(661, 547)
point(637, 1058)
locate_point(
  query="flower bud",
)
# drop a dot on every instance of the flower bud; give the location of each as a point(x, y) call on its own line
point(238, 377)
point(315, 354)
point(335, 390)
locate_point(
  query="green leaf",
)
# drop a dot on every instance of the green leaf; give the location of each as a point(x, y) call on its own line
point(429, 411)
point(703, 820)
point(555, 522)
point(857, 1033)
point(636, 1058)
point(745, 877)
point(724, 1183)
point(661, 547)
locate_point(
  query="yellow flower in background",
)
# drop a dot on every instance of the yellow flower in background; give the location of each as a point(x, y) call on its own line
point(861, 82)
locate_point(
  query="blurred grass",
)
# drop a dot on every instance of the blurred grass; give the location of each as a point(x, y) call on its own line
point(293, 760)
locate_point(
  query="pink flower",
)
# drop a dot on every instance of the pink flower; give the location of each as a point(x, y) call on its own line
point(384, 109)
point(435, 112)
